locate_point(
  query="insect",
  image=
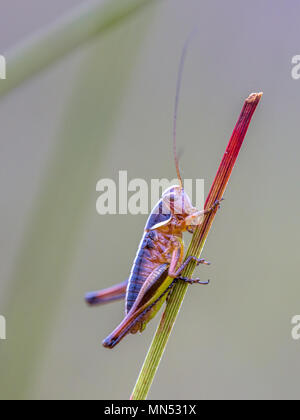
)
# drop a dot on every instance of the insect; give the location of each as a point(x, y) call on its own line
point(159, 259)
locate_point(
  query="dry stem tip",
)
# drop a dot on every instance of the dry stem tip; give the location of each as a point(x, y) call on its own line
point(254, 97)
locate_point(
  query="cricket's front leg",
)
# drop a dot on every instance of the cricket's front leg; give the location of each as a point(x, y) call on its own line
point(195, 219)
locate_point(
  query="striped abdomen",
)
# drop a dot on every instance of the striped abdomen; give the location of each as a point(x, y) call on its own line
point(145, 261)
point(141, 269)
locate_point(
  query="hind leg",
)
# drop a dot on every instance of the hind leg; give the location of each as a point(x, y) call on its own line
point(110, 294)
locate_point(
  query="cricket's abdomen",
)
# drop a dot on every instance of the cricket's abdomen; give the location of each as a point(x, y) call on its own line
point(145, 262)
point(149, 255)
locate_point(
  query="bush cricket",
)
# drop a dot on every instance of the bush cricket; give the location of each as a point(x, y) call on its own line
point(159, 259)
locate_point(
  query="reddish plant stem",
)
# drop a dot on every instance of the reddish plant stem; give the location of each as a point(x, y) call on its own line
point(226, 166)
point(216, 192)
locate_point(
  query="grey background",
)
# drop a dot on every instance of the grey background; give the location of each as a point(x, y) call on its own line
point(107, 107)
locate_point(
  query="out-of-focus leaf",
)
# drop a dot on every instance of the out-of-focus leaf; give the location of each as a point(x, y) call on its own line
point(60, 208)
point(61, 37)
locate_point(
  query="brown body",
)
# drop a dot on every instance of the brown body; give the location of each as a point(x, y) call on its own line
point(159, 257)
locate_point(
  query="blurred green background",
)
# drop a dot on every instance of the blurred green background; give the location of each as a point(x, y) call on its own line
point(107, 107)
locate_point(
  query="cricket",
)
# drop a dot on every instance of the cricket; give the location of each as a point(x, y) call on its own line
point(159, 260)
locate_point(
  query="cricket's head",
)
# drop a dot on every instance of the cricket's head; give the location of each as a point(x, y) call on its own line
point(175, 212)
point(177, 201)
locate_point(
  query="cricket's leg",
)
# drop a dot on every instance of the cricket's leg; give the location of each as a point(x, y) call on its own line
point(175, 273)
point(170, 291)
point(193, 281)
point(130, 321)
point(195, 219)
point(110, 294)
point(153, 281)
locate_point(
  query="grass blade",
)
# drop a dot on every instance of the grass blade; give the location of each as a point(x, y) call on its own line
point(63, 36)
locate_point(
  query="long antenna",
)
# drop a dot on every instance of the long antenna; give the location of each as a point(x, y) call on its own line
point(179, 80)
